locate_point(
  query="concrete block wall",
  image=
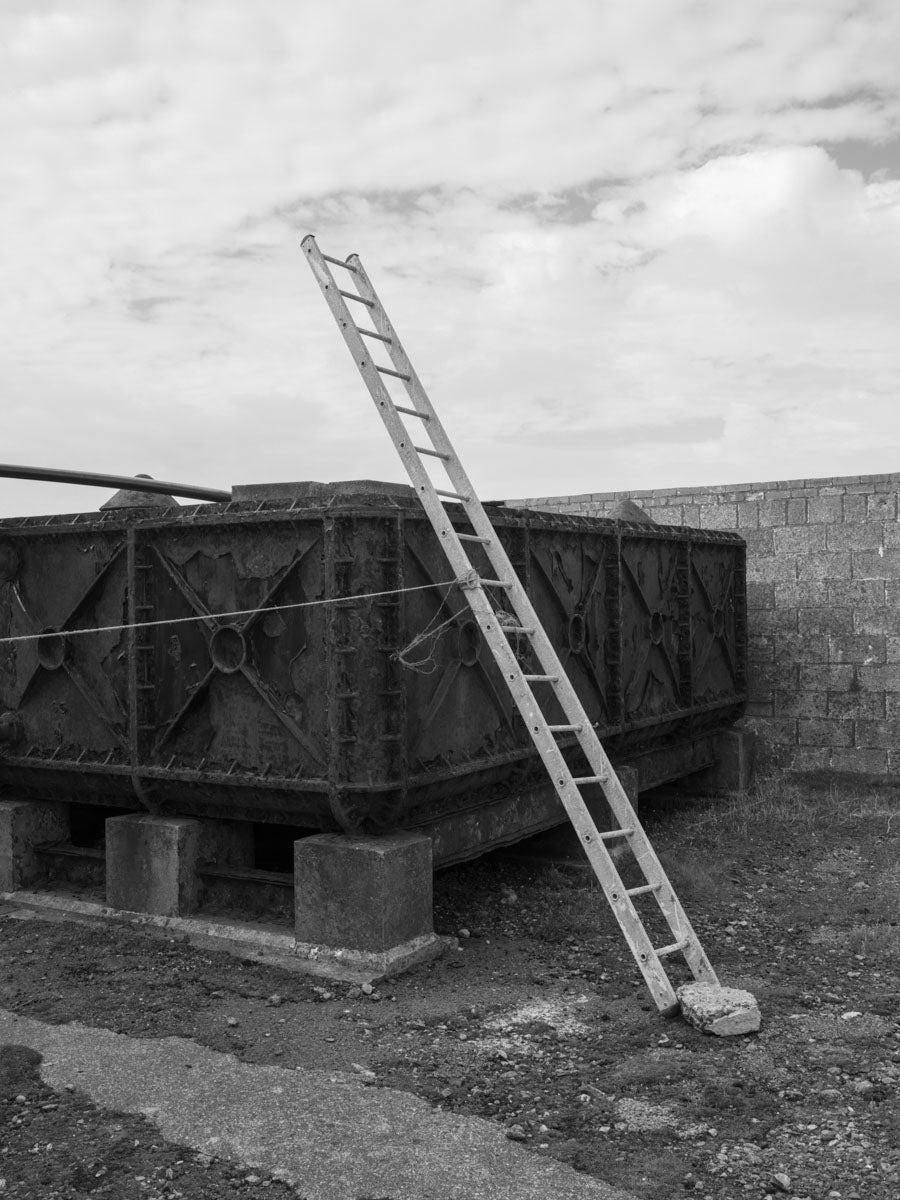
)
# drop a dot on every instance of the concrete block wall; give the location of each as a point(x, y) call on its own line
point(823, 570)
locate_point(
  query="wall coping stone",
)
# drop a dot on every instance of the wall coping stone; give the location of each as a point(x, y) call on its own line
point(778, 485)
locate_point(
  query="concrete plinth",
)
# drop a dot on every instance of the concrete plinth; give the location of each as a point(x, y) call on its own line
point(151, 864)
point(733, 770)
point(365, 900)
point(25, 824)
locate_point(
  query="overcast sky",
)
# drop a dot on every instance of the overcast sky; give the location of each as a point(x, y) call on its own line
point(632, 243)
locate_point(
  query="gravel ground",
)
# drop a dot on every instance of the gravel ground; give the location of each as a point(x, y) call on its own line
point(539, 1021)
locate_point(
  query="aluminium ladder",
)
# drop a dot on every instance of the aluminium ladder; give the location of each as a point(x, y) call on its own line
point(526, 625)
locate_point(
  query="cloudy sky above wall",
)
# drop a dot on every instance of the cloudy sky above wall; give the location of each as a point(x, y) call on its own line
point(627, 245)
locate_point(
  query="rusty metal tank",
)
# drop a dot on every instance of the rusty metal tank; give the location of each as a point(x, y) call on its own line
point(215, 682)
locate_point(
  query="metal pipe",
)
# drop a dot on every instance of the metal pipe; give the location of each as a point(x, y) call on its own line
point(92, 479)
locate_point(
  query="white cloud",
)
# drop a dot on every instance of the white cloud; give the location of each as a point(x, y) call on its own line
point(161, 161)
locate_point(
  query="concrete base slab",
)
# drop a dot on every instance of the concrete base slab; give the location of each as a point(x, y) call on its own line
point(25, 824)
point(723, 1011)
point(374, 964)
point(243, 939)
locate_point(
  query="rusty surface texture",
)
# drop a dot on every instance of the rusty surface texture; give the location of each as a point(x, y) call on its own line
point(311, 716)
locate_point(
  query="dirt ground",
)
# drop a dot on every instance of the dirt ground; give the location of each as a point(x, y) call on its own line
point(539, 1021)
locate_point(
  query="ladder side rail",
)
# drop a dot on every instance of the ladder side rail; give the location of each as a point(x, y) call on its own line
point(616, 796)
point(577, 811)
point(483, 527)
point(473, 507)
point(393, 345)
point(400, 436)
point(573, 802)
point(481, 523)
point(433, 428)
point(526, 701)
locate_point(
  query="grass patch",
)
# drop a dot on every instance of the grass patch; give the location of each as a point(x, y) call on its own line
point(695, 875)
point(872, 940)
point(775, 805)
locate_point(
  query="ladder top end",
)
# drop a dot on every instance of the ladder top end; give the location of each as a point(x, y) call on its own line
point(310, 237)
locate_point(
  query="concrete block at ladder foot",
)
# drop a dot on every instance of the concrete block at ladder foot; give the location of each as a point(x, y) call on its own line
point(366, 895)
point(25, 824)
point(723, 1011)
point(151, 864)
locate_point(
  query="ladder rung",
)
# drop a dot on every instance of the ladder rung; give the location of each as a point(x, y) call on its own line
point(433, 453)
point(358, 299)
point(339, 262)
point(526, 629)
point(565, 728)
point(643, 889)
point(411, 412)
point(663, 951)
point(372, 334)
point(583, 780)
point(452, 495)
point(542, 679)
point(500, 583)
point(609, 835)
point(471, 537)
point(391, 371)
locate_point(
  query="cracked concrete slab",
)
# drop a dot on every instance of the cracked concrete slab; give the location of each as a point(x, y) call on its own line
point(324, 1132)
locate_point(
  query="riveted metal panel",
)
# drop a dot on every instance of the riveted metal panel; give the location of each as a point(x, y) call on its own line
point(236, 693)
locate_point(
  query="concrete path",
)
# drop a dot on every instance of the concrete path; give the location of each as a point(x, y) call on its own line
point(325, 1132)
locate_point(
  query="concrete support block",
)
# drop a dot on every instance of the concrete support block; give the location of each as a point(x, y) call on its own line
point(365, 900)
point(151, 864)
point(25, 824)
point(733, 771)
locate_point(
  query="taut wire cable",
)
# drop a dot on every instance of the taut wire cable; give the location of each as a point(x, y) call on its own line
point(213, 617)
